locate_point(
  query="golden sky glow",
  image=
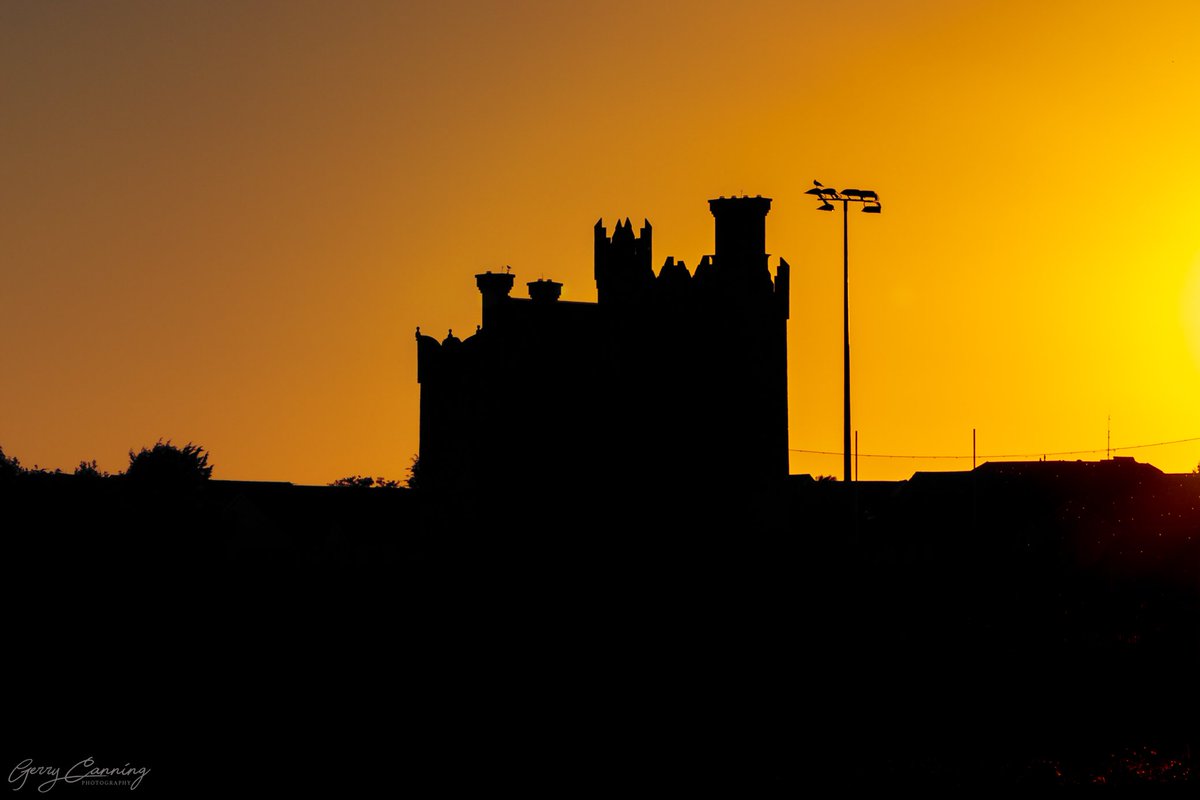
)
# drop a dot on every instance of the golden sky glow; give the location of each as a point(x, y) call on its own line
point(221, 222)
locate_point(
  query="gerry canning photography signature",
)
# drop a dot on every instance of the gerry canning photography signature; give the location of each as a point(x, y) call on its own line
point(84, 772)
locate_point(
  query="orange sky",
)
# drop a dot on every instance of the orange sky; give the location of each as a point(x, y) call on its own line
point(221, 222)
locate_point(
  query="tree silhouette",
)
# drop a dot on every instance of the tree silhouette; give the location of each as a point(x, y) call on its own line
point(415, 479)
point(9, 467)
point(167, 463)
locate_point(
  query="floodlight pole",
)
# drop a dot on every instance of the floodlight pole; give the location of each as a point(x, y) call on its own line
point(846, 335)
point(870, 201)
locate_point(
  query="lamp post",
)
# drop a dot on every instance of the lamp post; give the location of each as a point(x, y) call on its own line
point(870, 201)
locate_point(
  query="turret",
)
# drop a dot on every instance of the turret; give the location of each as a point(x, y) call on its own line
point(622, 266)
point(495, 287)
point(544, 291)
point(741, 240)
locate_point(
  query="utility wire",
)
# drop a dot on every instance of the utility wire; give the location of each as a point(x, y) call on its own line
point(1001, 455)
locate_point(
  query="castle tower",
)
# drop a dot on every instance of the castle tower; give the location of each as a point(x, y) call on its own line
point(741, 241)
point(746, 339)
point(623, 263)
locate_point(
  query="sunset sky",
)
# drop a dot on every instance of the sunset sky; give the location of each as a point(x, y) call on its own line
point(221, 222)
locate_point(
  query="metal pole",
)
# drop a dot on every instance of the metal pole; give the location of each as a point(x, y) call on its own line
point(972, 448)
point(846, 326)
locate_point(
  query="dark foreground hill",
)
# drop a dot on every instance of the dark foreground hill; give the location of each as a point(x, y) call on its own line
point(1016, 625)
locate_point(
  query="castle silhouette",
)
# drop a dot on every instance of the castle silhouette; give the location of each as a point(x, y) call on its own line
point(666, 379)
point(1025, 623)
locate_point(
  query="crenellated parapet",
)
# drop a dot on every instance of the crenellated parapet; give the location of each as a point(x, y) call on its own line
point(674, 278)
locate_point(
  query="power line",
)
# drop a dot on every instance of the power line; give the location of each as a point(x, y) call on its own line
point(1002, 455)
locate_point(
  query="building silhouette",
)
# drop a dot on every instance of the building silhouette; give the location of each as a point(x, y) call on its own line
point(668, 379)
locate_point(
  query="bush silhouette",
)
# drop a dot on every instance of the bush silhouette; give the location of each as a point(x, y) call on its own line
point(89, 469)
point(366, 482)
point(167, 463)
